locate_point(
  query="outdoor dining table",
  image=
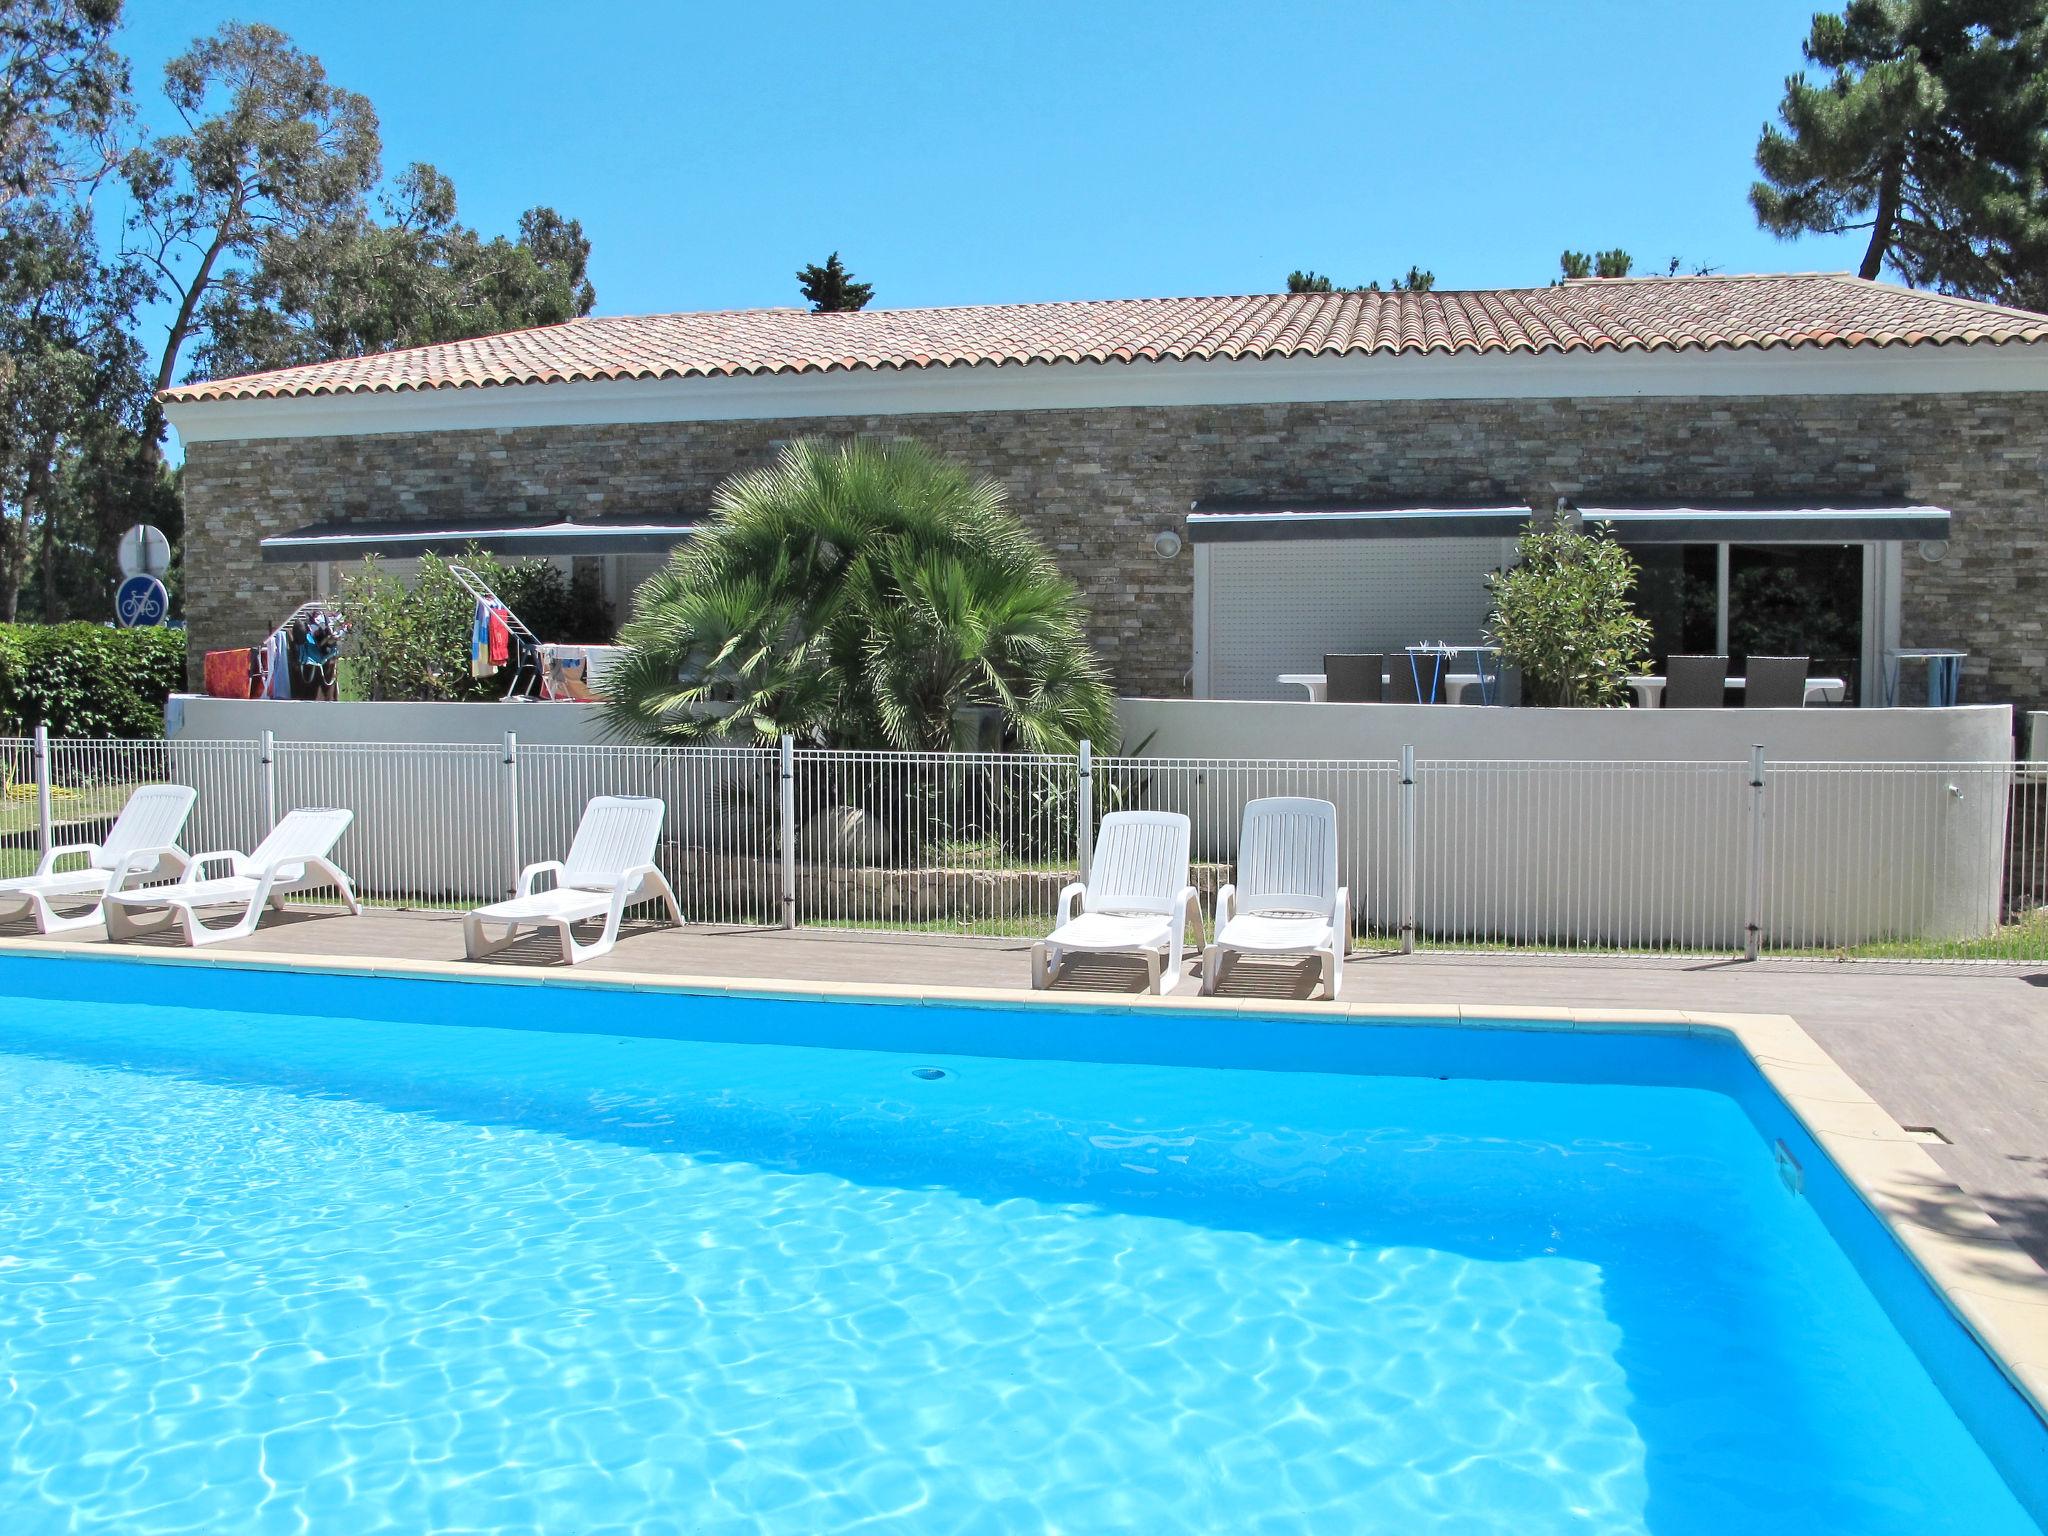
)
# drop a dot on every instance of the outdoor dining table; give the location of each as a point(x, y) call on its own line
point(1316, 684)
point(1649, 691)
point(1944, 674)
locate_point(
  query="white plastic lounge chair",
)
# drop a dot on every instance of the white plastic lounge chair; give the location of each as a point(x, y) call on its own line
point(293, 858)
point(610, 868)
point(142, 842)
point(1287, 900)
point(1137, 900)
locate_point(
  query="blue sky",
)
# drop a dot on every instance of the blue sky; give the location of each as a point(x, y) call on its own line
point(970, 153)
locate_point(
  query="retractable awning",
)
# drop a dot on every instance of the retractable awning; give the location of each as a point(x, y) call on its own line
point(405, 541)
point(1219, 522)
point(1835, 524)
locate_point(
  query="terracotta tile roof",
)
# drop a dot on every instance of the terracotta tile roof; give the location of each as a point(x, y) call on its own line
point(1591, 315)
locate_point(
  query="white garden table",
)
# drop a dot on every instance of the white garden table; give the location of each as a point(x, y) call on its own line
point(1649, 691)
point(1316, 685)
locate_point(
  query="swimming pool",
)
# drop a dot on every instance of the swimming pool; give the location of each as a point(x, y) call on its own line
point(285, 1251)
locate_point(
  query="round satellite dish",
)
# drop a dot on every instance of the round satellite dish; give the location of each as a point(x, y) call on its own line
point(145, 551)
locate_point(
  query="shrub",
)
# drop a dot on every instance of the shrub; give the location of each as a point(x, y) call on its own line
point(1563, 615)
point(865, 595)
point(412, 642)
point(88, 680)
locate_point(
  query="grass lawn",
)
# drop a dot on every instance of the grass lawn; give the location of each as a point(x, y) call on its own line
point(2025, 940)
point(18, 805)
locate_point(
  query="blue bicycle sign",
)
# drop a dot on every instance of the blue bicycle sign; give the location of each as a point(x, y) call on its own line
point(141, 601)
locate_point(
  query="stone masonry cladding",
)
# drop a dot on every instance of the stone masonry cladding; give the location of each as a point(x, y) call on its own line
point(1097, 485)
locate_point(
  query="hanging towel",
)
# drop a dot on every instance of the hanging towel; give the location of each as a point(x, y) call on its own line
point(278, 650)
point(480, 641)
point(227, 674)
point(500, 638)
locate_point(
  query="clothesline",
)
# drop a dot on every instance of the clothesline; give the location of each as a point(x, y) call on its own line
point(315, 629)
point(498, 637)
point(296, 660)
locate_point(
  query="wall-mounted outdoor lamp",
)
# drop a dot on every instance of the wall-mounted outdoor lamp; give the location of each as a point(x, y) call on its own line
point(1166, 543)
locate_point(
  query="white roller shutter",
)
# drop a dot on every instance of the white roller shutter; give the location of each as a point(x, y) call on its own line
point(1279, 606)
point(629, 573)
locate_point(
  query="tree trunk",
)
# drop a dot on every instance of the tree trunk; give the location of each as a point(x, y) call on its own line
point(1884, 226)
point(12, 546)
point(46, 565)
point(181, 327)
point(188, 306)
point(15, 559)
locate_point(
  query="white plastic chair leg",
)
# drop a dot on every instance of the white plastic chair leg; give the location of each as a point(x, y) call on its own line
point(477, 941)
point(50, 920)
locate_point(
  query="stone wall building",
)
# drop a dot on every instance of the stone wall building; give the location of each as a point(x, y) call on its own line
point(1335, 472)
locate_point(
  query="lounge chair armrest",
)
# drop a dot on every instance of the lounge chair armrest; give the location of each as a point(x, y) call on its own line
point(48, 866)
point(1226, 904)
point(143, 861)
point(1070, 896)
point(196, 870)
point(1340, 920)
point(533, 872)
point(1189, 905)
point(629, 883)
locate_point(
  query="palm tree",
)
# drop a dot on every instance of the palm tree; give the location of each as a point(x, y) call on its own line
point(862, 595)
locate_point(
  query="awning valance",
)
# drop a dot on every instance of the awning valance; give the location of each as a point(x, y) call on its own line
point(405, 541)
point(1836, 524)
point(1217, 522)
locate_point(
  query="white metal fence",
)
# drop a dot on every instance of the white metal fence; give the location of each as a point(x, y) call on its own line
point(1901, 860)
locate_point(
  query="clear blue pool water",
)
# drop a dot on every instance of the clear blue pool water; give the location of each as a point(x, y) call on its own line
point(347, 1255)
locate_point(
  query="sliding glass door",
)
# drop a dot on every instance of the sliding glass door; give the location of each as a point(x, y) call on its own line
point(1746, 600)
point(1799, 600)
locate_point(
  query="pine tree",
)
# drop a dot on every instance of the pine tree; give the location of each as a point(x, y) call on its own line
point(1417, 281)
point(1612, 263)
point(1930, 131)
point(832, 289)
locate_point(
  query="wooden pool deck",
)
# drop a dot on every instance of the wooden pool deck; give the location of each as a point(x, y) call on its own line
point(1960, 1048)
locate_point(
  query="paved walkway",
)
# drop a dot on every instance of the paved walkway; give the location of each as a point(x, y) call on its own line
point(1961, 1049)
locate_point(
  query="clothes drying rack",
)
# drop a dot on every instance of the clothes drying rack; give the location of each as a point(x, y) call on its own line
point(525, 659)
point(259, 661)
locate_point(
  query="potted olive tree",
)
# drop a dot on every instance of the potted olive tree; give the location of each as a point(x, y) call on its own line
point(1563, 615)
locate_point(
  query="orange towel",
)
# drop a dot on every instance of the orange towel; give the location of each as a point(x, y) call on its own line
point(227, 674)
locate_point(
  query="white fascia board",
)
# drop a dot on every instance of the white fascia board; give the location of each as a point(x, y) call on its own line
point(1953, 369)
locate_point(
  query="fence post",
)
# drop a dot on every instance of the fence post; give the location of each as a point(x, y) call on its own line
point(785, 820)
point(1753, 902)
point(43, 819)
point(1084, 764)
point(512, 804)
point(1407, 850)
point(266, 758)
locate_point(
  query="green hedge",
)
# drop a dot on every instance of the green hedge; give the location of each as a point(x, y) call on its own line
point(86, 679)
